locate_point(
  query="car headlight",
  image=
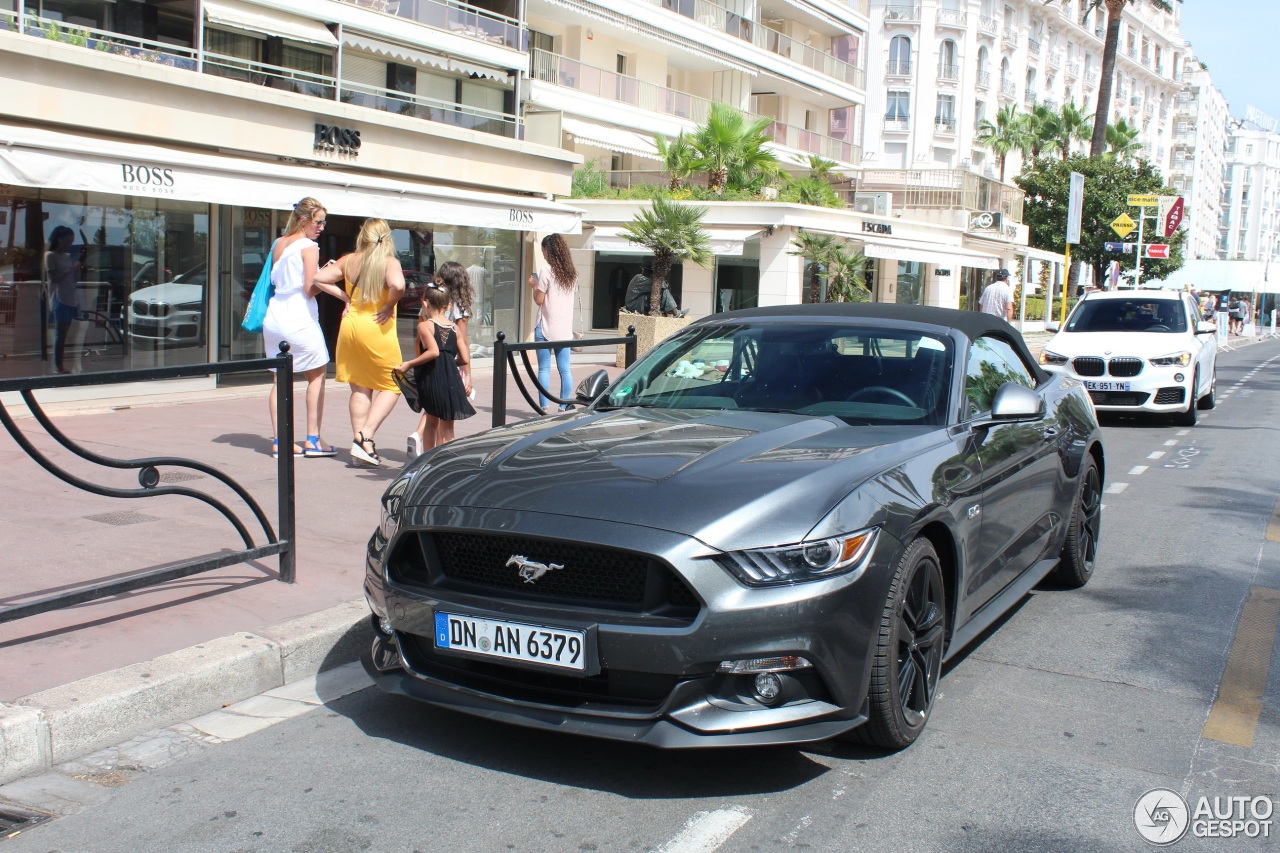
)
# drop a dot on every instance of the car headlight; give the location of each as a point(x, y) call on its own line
point(1047, 357)
point(803, 561)
point(392, 504)
point(1179, 359)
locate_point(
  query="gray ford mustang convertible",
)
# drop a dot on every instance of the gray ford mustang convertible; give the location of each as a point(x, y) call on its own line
point(774, 527)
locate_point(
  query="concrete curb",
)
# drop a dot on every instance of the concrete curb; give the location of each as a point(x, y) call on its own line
point(68, 722)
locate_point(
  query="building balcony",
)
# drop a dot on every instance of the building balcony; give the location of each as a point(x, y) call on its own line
point(1052, 104)
point(1010, 37)
point(1091, 79)
point(988, 26)
point(948, 73)
point(589, 80)
point(895, 123)
point(454, 17)
point(766, 38)
point(945, 189)
point(945, 125)
point(1055, 59)
point(1149, 109)
point(983, 80)
point(1135, 101)
point(1008, 89)
point(1073, 71)
point(1033, 47)
point(898, 68)
point(1030, 98)
point(953, 19)
point(902, 13)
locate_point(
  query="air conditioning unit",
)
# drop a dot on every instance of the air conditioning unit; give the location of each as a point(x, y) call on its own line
point(877, 204)
point(986, 221)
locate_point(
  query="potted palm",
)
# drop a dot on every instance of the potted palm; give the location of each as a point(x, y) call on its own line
point(673, 233)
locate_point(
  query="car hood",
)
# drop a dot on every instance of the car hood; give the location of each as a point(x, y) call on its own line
point(1141, 344)
point(731, 479)
point(170, 293)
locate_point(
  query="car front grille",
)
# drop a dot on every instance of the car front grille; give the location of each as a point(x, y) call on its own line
point(634, 692)
point(485, 563)
point(1087, 365)
point(1169, 396)
point(1118, 398)
point(1124, 366)
point(150, 309)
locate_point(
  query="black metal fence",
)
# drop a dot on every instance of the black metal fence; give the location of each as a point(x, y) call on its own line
point(504, 357)
point(149, 477)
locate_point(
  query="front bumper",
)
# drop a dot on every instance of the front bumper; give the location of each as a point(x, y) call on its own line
point(1155, 389)
point(653, 679)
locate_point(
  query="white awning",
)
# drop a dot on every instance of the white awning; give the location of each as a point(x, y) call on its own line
point(613, 138)
point(258, 20)
point(724, 241)
point(44, 158)
point(420, 57)
point(926, 253)
point(1217, 276)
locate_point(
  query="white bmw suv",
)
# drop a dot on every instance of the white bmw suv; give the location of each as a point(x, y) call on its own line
point(1139, 350)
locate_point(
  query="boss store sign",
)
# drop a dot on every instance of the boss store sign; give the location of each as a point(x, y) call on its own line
point(146, 179)
point(338, 140)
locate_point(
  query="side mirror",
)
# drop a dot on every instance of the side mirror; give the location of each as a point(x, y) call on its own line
point(1016, 402)
point(590, 389)
point(1203, 328)
point(1052, 326)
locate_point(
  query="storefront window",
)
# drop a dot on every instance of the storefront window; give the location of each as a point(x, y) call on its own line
point(910, 287)
point(737, 283)
point(122, 284)
point(613, 273)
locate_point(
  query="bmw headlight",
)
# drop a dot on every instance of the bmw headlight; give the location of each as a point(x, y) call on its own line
point(1177, 359)
point(1053, 358)
point(803, 561)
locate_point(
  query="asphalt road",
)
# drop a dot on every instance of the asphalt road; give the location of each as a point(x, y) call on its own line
point(1045, 735)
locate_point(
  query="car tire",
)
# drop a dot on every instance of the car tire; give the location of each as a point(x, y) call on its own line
point(1081, 549)
point(1188, 418)
point(909, 650)
point(1208, 401)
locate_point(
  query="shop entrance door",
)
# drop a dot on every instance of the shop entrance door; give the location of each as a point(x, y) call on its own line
point(246, 234)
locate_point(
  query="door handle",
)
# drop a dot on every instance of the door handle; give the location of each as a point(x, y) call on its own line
point(1050, 433)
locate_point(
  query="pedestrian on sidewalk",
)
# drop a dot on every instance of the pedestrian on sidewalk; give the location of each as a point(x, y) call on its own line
point(294, 316)
point(454, 278)
point(553, 292)
point(62, 272)
point(997, 298)
point(439, 365)
point(368, 345)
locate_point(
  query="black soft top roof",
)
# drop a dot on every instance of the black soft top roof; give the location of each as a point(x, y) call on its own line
point(972, 324)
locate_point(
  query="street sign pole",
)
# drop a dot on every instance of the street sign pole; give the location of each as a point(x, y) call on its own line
point(1075, 207)
point(1137, 264)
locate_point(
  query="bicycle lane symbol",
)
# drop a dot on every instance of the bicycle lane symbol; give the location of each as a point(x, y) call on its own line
point(1183, 458)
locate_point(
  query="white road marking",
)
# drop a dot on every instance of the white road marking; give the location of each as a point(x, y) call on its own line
point(1137, 469)
point(706, 831)
point(1171, 442)
point(1183, 432)
point(1155, 454)
point(1116, 488)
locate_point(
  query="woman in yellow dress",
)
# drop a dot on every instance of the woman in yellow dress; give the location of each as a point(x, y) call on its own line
point(368, 346)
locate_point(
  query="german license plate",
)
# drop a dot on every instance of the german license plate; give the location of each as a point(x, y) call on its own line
point(559, 647)
point(1099, 385)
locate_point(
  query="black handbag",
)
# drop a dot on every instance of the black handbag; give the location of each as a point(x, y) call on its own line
point(408, 387)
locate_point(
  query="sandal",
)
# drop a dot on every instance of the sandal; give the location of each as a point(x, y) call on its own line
point(362, 456)
point(275, 449)
point(314, 447)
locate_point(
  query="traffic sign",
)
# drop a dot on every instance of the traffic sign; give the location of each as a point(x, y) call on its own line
point(1123, 225)
point(1124, 248)
point(1143, 200)
point(1158, 251)
point(1169, 215)
point(1075, 205)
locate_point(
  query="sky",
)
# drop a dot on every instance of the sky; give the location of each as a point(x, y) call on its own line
point(1240, 42)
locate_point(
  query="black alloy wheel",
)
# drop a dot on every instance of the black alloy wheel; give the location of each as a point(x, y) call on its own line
point(909, 650)
point(1081, 549)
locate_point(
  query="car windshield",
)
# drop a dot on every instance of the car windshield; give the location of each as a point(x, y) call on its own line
point(1128, 315)
point(861, 374)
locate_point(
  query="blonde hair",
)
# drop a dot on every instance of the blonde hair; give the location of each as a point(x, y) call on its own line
point(303, 211)
point(375, 248)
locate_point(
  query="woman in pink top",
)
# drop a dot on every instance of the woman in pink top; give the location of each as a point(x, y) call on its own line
point(553, 291)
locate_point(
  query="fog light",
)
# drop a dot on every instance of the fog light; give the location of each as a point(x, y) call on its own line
point(1178, 377)
point(768, 686)
point(384, 625)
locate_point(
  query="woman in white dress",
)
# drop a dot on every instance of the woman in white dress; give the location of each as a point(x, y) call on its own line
point(293, 316)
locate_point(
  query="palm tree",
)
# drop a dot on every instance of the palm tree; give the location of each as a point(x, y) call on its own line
point(1006, 135)
point(819, 166)
point(816, 251)
point(679, 158)
point(673, 233)
point(732, 148)
point(1115, 9)
point(1069, 125)
point(1122, 140)
point(845, 268)
point(1039, 126)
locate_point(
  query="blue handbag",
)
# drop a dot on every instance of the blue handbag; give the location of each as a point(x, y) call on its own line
point(256, 311)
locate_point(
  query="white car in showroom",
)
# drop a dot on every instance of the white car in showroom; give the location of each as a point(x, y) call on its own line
point(1139, 351)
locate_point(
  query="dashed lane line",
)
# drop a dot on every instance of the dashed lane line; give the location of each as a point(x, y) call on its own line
point(1116, 488)
point(707, 831)
point(1155, 454)
point(1137, 469)
point(1171, 442)
point(1234, 716)
point(1183, 432)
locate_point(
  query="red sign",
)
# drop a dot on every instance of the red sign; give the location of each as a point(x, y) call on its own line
point(1158, 251)
point(1173, 218)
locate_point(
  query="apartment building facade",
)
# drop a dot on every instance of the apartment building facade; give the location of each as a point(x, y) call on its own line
point(172, 138)
point(1250, 223)
point(1198, 164)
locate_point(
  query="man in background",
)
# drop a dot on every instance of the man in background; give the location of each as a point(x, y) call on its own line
point(997, 298)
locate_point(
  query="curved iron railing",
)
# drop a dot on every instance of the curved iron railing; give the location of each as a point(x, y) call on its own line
point(149, 478)
point(504, 357)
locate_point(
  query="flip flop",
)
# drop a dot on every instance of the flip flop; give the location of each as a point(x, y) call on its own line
point(314, 447)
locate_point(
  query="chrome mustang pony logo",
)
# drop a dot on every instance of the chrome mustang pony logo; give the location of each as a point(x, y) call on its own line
point(530, 570)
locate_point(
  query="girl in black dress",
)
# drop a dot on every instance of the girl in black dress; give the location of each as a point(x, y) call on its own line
point(441, 389)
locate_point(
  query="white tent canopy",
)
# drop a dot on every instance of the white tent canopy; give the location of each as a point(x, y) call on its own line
point(1216, 276)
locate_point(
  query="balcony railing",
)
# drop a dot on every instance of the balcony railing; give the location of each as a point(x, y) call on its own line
point(945, 189)
point(1033, 47)
point(902, 13)
point(572, 74)
point(430, 109)
point(1135, 101)
point(1052, 104)
point(894, 122)
point(1008, 88)
point(1010, 36)
point(1073, 71)
point(953, 18)
point(1055, 59)
point(950, 73)
point(732, 23)
point(988, 25)
point(945, 125)
point(1091, 79)
point(1029, 99)
point(102, 41)
point(984, 80)
point(1149, 109)
point(271, 76)
point(898, 68)
point(454, 17)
